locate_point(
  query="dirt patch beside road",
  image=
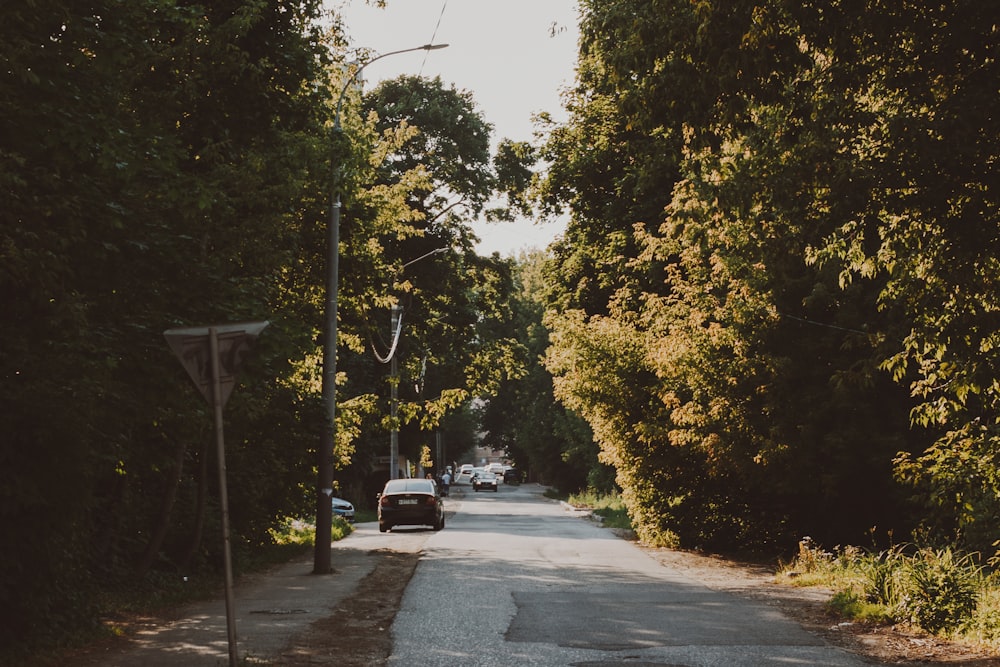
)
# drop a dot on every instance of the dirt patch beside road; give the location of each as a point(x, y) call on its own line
point(357, 634)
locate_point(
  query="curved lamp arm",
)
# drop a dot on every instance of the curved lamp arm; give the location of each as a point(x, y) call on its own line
point(357, 71)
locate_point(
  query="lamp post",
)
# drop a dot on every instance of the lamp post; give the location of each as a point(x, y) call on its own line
point(324, 481)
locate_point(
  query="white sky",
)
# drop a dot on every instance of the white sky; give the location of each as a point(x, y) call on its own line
point(502, 51)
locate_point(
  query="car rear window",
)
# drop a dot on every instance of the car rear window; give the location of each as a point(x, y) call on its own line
point(409, 486)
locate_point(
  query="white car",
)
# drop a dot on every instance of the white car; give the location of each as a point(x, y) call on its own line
point(465, 474)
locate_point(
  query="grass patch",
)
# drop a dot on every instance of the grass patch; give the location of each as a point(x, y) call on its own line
point(937, 590)
point(303, 531)
point(608, 506)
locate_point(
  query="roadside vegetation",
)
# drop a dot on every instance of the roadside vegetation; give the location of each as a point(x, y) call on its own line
point(609, 506)
point(938, 590)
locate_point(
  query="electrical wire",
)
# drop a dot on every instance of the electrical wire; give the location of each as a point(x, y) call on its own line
point(395, 341)
point(433, 36)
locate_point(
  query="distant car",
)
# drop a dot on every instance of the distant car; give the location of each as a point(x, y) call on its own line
point(464, 475)
point(485, 480)
point(469, 476)
point(495, 468)
point(410, 502)
point(343, 509)
point(512, 476)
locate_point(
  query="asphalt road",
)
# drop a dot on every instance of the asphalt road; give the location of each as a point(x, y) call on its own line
point(515, 579)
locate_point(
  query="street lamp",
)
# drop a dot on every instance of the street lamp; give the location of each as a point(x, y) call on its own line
point(324, 481)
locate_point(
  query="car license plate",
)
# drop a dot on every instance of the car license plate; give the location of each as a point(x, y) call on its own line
point(407, 501)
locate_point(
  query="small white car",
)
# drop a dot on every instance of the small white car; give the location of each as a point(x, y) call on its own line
point(465, 474)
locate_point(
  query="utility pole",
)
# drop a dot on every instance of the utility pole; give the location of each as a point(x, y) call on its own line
point(394, 403)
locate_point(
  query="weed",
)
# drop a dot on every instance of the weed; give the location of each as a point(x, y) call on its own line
point(849, 604)
point(609, 506)
point(941, 589)
point(303, 532)
point(937, 590)
point(882, 576)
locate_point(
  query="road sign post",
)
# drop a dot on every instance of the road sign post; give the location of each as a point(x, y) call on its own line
point(212, 357)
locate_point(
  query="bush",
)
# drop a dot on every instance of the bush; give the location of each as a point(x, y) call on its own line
point(609, 506)
point(303, 531)
point(932, 589)
point(883, 576)
point(941, 589)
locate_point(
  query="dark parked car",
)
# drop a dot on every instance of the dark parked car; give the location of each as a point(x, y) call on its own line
point(410, 502)
point(511, 476)
point(485, 480)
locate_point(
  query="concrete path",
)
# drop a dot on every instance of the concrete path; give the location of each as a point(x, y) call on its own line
point(270, 609)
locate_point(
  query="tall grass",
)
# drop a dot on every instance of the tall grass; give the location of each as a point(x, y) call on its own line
point(937, 590)
point(608, 506)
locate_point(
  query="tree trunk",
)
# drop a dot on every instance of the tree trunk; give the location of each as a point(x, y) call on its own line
point(166, 507)
point(199, 514)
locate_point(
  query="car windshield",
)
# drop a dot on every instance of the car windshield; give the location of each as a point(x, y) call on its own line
point(487, 476)
point(409, 486)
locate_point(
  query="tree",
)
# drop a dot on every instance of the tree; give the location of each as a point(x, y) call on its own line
point(923, 227)
point(522, 417)
point(407, 227)
point(154, 156)
point(690, 317)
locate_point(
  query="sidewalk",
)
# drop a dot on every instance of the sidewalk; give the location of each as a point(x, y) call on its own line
point(270, 609)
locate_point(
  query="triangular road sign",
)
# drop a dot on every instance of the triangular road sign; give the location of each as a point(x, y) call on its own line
point(191, 346)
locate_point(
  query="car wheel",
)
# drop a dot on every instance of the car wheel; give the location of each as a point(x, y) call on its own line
point(495, 489)
point(383, 527)
point(439, 525)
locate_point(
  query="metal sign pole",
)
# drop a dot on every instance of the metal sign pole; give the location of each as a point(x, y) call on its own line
point(215, 378)
point(220, 443)
point(394, 406)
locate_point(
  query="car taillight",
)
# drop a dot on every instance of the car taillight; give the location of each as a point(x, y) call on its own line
point(431, 500)
point(384, 501)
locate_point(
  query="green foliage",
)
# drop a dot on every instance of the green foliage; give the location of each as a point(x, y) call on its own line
point(850, 605)
point(451, 140)
point(763, 221)
point(937, 590)
point(609, 506)
point(429, 174)
point(156, 163)
point(521, 416)
point(984, 626)
point(883, 576)
point(512, 163)
point(303, 533)
point(941, 589)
